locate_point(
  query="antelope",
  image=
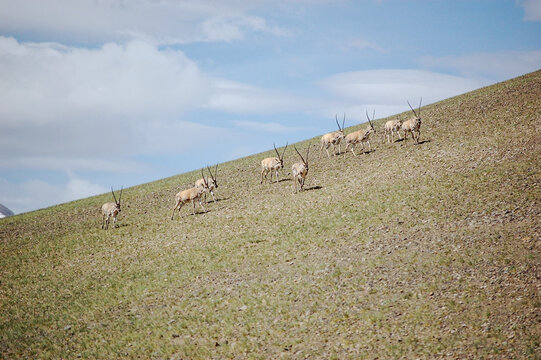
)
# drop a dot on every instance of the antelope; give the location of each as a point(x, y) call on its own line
point(110, 210)
point(361, 136)
point(192, 194)
point(210, 181)
point(413, 125)
point(334, 138)
point(392, 127)
point(272, 163)
point(300, 169)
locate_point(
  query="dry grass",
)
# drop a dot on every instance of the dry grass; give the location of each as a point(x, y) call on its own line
point(428, 251)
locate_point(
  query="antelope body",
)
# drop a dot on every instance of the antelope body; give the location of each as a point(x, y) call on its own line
point(299, 170)
point(333, 138)
point(110, 210)
point(413, 125)
point(392, 127)
point(360, 136)
point(210, 182)
point(272, 164)
point(192, 194)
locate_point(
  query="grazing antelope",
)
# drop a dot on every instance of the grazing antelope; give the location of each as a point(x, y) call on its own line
point(211, 183)
point(361, 136)
point(299, 170)
point(333, 138)
point(413, 125)
point(272, 163)
point(392, 127)
point(183, 196)
point(110, 210)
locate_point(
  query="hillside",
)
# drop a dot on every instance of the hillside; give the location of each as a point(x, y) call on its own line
point(428, 251)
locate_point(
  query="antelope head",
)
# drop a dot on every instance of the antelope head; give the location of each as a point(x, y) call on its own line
point(280, 158)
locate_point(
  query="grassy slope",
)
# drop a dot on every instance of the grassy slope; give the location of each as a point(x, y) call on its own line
point(416, 251)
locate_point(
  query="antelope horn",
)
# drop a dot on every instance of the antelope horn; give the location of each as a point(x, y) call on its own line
point(343, 123)
point(337, 123)
point(282, 157)
point(307, 152)
point(299, 154)
point(277, 153)
point(368, 117)
point(420, 106)
point(204, 180)
point(114, 197)
point(216, 171)
point(120, 197)
point(412, 109)
point(210, 172)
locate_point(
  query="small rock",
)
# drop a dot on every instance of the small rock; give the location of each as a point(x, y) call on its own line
point(67, 327)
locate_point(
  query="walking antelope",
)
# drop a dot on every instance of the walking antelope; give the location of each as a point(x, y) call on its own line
point(211, 183)
point(413, 125)
point(333, 138)
point(272, 163)
point(361, 136)
point(392, 127)
point(299, 170)
point(110, 210)
point(192, 194)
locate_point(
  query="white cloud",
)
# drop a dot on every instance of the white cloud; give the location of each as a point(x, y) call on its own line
point(166, 21)
point(532, 10)
point(77, 188)
point(36, 194)
point(44, 83)
point(496, 66)
point(387, 91)
point(363, 44)
point(229, 28)
point(236, 97)
point(69, 108)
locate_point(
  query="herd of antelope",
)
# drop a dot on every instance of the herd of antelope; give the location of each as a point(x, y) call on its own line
point(299, 170)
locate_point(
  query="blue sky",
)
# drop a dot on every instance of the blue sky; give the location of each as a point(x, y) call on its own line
point(108, 93)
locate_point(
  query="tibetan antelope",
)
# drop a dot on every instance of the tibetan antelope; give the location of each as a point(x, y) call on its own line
point(333, 138)
point(361, 136)
point(392, 127)
point(211, 183)
point(110, 210)
point(272, 164)
point(192, 194)
point(299, 170)
point(413, 125)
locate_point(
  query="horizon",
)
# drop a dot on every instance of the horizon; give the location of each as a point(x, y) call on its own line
point(109, 94)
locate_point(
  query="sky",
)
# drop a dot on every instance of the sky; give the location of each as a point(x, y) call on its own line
point(97, 94)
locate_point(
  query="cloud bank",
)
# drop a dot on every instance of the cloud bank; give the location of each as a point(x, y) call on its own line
point(162, 22)
point(387, 91)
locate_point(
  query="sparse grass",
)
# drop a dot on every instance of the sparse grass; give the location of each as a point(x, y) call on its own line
point(428, 251)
